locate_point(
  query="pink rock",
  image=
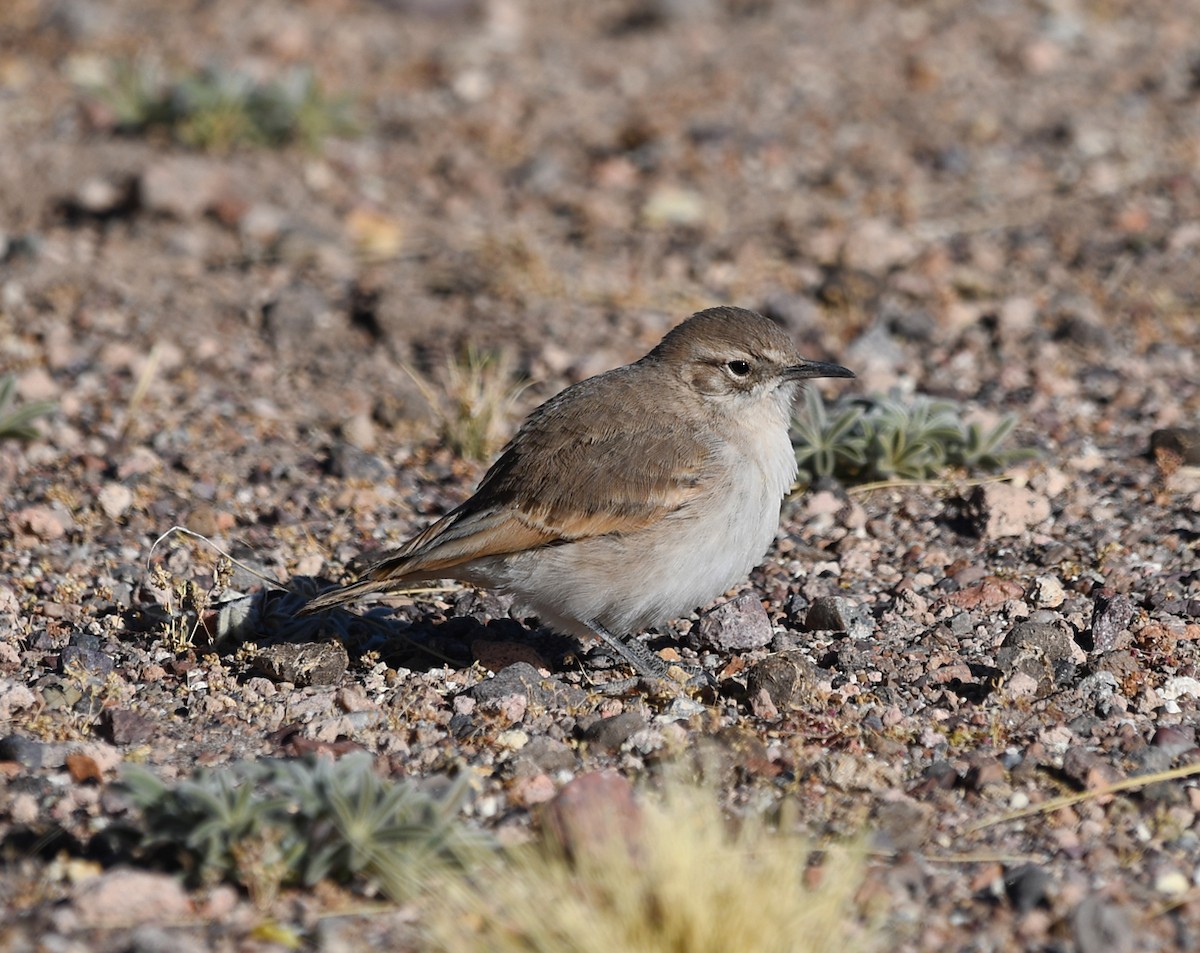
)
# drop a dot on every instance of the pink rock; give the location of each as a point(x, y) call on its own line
point(44, 522)
point(1000, 510)
point(532, 790)
point(37, 384)
point(593, 814)
point(182, 186)
point(125, 898)
point(734, 626)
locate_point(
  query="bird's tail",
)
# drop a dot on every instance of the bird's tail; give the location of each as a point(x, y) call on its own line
point(344, 594)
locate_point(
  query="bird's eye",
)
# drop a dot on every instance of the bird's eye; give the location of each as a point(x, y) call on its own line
point(738, 368)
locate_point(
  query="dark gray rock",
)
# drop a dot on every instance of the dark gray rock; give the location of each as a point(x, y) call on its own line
point(92, 661)
point(33, 754)
point(839, 614)
point(1102, 927)
point(1027, 886)
point(613, 732)
point(547, 755)
point(521, 678)
point(348, 462)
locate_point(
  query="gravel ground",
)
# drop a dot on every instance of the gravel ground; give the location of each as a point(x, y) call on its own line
point(997, 204)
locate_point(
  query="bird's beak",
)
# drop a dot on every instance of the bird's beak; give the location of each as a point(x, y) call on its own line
point(810, 369)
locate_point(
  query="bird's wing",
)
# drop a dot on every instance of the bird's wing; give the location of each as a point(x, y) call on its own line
point(566, 476)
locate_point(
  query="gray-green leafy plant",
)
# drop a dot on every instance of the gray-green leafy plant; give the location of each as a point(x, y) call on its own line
point(268, 823)
point(16, 423)
point(866, 439)
point(828, 443)
point(220, 109)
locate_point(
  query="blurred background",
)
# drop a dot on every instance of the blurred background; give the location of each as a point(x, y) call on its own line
point(322, 217)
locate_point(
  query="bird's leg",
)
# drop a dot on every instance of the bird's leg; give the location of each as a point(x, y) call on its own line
point(646, 663)
point(639, 658)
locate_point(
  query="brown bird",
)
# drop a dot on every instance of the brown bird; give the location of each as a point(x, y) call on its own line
point(631, 497)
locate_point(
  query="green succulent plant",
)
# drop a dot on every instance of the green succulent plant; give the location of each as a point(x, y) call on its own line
point(828, 443)
point(219, 109)
point(16, 423)
point(981, 448)
point(866, 439)
point(910, 442)
point(267, 823)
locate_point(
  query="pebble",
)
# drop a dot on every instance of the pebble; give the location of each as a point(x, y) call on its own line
point(547, 755)
point(593, 813)
point(152, 938)
point(1111, 615)
point(736, 626)
point(1102, 926)
point(14, 697)
point(614, 731)
point(97, 196)
point(376, 237)
point(840, 614)
point(1182, 442)
point(89, 660)
point(1001, 510)
point(875, 246)
point(512, 738)
point(988, 593)
point(182, 186)
point(904, 821)
point(1088, 769)
point(114, 499)
point(348, 462)
point(261, 225)
point(303, 663)
point(1047, 592)
point(527, 791)
point(670, 205)
point(1180, 686)
point(124, 898)
point(24, 809)
point(1027, 887)
point(1034, 647)
point(359, 431)
point(44, 522)
point(1173, 883)
point(27, 752)
point(36, 384)
point(125, 727)
point(521, 678)
point(984, 770)
point(295, 314)
point(680, 707)
point(1174, 739)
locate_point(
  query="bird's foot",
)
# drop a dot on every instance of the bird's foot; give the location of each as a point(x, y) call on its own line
point(649, 666)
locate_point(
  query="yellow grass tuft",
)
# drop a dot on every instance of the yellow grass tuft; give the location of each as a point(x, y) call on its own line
point(476, 408)
point(689, 882)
